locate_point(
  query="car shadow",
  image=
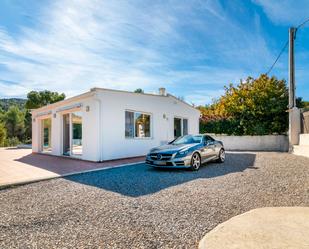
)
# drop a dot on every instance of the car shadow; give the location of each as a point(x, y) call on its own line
point(139, 180)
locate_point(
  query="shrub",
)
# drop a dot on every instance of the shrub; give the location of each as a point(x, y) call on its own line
point(253, 107)
point(222, 126)
point(11, 142)
point(3, 134)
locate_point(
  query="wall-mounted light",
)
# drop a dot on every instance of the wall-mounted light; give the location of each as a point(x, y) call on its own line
point(87, 108)
point(33, 120)
point(54, 115)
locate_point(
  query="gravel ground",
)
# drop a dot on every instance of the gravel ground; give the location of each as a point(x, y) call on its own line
point(140, 207)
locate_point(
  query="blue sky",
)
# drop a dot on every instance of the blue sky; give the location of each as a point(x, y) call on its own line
point(193, 48)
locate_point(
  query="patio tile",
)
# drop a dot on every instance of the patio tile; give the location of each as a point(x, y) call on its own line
point(21, 166)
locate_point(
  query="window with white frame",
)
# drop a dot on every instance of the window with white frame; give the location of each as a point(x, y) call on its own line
point(137, 124)
point(180, 127)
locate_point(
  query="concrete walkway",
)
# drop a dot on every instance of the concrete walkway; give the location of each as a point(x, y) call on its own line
point(273, 228)
point(18, 166)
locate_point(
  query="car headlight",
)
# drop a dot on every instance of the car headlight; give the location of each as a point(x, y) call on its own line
point(182, 153)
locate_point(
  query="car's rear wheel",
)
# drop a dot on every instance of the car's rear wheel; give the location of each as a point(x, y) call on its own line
point(195, 161)
point(221, 158)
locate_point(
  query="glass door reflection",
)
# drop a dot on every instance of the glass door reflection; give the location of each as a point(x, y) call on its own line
point(77, 141)
point(72, 134)
point(46, 135)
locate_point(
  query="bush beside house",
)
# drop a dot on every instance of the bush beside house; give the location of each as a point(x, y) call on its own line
point(253, 107)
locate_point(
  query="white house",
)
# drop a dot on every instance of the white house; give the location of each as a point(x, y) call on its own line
point(105, 124)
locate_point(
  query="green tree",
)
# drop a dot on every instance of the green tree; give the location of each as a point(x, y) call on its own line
point(300, 103)
point(254, 107)
point(28, 125)
point(14, 122)
point(37, 99)
point(139, 90)
point(1, 114)
point(2, 134)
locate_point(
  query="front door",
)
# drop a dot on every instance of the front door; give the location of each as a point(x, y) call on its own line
point(177, 127)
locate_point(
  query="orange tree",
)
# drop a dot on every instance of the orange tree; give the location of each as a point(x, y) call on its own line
point(253, 107)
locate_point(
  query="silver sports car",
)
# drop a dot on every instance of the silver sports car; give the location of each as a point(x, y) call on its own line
point(189, 151)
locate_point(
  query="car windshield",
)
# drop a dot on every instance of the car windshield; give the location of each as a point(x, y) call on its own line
point(188, 139)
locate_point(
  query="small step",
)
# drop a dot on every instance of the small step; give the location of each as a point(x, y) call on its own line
point(301, 150)
point(304, 139)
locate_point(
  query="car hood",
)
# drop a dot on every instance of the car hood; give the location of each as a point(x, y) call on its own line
point(172, 148)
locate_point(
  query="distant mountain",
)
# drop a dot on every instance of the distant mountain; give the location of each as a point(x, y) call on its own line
point(6, 103)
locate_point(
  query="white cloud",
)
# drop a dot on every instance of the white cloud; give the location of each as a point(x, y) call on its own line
point(203, 97)
point(12, 90)
point(80, 44)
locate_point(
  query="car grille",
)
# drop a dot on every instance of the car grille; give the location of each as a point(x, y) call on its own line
point(161, 156)
point(180, 163)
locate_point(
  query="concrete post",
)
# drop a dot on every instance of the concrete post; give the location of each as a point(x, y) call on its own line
point(292, 98)
point(294, 112)
point(294, 127)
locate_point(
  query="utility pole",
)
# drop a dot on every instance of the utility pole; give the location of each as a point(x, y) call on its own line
point(292, 99)
point(294, 112)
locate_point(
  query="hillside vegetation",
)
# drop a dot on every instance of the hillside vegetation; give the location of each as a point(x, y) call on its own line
point(6, 103)
point(15, 117)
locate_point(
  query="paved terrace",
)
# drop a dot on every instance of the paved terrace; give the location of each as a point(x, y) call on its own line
point(20, 165)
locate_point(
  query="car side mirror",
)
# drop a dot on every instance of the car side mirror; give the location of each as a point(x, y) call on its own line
point(208, 142)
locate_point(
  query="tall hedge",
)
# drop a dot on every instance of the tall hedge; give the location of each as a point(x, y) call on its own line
point(253, 107)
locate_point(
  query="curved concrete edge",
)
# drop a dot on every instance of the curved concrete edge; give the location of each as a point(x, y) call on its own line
point(270, 227)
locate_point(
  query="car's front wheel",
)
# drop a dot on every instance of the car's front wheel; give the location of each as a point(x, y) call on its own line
point(195, 161)
point(221, 158)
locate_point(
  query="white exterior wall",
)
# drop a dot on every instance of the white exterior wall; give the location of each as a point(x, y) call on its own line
point(103, 125)
point(114, 104)
point(254, 143)
point(90, 128)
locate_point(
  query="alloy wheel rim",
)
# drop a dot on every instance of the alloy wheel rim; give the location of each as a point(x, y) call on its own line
point(196, 161)
point(222, 155)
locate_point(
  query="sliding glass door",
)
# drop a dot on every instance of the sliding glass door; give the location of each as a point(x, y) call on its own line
point(72, 134)
point(66, 135)
point(46, 135)
point(77, 144)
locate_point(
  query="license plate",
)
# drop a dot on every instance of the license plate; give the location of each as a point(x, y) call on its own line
point(159, 163)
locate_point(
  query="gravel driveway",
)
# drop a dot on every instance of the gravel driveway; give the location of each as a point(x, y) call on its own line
point(140, 207)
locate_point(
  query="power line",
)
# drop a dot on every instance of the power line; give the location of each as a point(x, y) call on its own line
point(285, 45)
point(302, 24)
point(281, 52)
